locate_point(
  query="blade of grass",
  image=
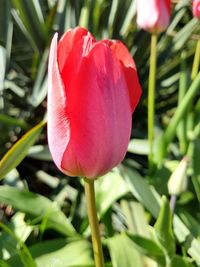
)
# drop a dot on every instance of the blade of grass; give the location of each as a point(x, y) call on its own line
point(169, 133)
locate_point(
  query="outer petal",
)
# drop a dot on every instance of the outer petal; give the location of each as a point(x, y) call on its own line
point(196, 8)
point(58, 124)
point(128, 66)
point(99, 112)
point(164, 15)
point(153, 15)
point(67, 42)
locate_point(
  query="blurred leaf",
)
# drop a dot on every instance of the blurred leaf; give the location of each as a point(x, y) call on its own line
point(141, 191)
point(24, 253)
point(184, 236)
point(183, 35)
point(59, 253)
point(4, 264)
point(163, 227)
point(149, 248)
point(29, 17)
point(192, 224)
point(37, 206)
point(169, 133)
point(123, 252)
point(139, 146)
point(106, 193)
point(20, 229)
point(40, 85)
point(178, 261)
point(135, 217)
point(19, 150)
point(40, 152)
point(13, 121)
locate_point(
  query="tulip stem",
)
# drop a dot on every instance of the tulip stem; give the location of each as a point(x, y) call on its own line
point(196, 62)
point(93, 221)
point(151, 97)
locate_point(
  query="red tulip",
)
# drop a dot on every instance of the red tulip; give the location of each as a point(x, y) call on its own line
point(153, 15)
point(196, 8)
point(93, 89)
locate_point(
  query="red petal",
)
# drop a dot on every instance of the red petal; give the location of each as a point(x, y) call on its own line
point(99, 112)
point(67, 42)
point(129, 69)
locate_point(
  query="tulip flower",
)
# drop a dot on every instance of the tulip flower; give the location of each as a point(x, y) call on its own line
point(153, 15)
point(196, 8)
point(93, 90)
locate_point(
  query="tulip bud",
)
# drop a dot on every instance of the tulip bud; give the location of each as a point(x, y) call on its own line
point(178, 180)
point(153, 15)
point(93, 89)
point(196, 8)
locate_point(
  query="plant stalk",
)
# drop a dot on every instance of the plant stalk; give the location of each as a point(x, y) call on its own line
point(93, 221)
point(196, 62)
point(151, 97)
point(178, 115)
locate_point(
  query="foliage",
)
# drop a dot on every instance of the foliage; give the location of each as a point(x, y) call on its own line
point(43, 215)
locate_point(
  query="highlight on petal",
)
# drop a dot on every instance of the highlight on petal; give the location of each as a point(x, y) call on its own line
point(58, 123)
point(128, 66)
point(65, 45)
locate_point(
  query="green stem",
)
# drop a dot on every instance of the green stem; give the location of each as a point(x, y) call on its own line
point(180, 112)
point(195, 67)
point(151, 96)
point(183, 86)
point(93, 220)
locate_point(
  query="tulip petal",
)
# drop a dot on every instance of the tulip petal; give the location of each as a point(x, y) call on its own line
point(128, 66)
point(99, 112)
point(58, 124)
point(67, 42)
point(153, 15)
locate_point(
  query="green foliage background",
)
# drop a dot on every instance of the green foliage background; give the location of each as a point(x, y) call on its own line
point(42, 212)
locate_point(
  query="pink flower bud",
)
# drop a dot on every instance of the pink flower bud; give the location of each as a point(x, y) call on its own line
point(196, 8)
point(93, 89)
point(153, 15)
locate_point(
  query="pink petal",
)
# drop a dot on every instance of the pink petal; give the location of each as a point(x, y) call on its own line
point(153, 15)
point(128, 66)
point(58, 123)
point(99, 113)
point(67, 42)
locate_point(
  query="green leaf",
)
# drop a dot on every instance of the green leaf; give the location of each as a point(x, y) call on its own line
point(37, 206)
point(123, 252)
point(169, 134)
point(149, 248)
point(163, 227)
point(24, 253)
point(59, 253)
point(106, 193)
point(139, 146)
point(183, 35)
point(13, 121)
point(136, 218)
point(19, 150)
point(178, 261)
point(4, 264)
point(29, 16)
point(141, 191)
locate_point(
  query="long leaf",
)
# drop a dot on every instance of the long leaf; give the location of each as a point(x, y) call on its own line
point(38, 207)
point(19, 150)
